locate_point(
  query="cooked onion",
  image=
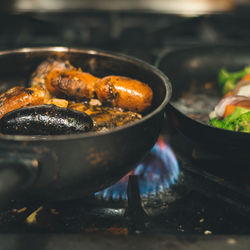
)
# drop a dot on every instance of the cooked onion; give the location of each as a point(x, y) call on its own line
point(230, 100)
point(242, 88)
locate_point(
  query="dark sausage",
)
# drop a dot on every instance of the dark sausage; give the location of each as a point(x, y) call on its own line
point(45, 120)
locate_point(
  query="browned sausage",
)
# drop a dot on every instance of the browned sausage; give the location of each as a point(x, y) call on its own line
point(62, 78)
point(38, 77)
point(124, 92)
point(18, 97)
point(71, 82)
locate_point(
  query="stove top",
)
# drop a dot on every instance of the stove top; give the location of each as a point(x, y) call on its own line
point(206, 206)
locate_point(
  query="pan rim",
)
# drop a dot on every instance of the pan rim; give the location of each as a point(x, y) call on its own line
point(166, 82)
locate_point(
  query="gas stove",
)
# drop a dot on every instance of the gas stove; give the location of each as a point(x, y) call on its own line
point(179, 196)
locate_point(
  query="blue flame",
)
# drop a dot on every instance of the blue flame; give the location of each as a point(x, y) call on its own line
point(156, 173)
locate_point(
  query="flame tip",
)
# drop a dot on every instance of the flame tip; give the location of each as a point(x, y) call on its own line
point(157, 173)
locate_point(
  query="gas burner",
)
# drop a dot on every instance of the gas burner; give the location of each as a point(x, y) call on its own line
point(156, 175)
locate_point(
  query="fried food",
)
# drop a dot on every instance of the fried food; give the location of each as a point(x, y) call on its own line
point(45, 120)
point(106, 117)
point(18, 97)
point(72, 83)
point(38, 77)
point(62, 79)
point(110, 101)
point(62, 103)
point(124, 92)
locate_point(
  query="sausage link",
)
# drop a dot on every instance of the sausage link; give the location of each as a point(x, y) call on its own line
point(63, 79)
point(124, 92)
point(39, 75)
point(18, 97)
point(71, 82)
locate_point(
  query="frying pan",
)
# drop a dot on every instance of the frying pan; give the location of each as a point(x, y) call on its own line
point(45, 168)
point(193, 73)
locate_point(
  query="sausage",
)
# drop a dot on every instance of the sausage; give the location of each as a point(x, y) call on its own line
point(45, 120)
point(72, 83)
point(119, 91)
point(124, 92)
point(39, 75)
point(18, 97)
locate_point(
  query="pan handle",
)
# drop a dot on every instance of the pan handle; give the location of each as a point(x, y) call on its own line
point(16, 175)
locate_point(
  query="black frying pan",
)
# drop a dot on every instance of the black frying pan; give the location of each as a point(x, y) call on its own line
point(74, 166)
point(193, 74)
